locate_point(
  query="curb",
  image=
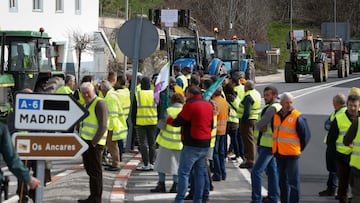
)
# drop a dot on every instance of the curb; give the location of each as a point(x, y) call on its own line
point(118, 192)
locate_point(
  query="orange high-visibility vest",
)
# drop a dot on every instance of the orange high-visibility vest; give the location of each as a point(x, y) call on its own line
point(222, 116)
point(285, 138)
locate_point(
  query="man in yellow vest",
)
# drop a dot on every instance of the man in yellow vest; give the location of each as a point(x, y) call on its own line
point(124, 96)
point(146, 121)
point(68, 87)
point(93, 130)
point(116, 129)
point(181, 80)
point(249, 109)
point(265, 160)
point(335, 138)
point(339, 103)
point(240, 92)
point(291, 134)
point(352, 139)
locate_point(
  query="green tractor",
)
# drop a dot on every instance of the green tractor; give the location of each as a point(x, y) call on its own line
point(26, 61)
point(305, 57)
point(354, 47)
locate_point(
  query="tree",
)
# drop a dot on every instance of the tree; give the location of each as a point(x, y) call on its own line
point(83, 42)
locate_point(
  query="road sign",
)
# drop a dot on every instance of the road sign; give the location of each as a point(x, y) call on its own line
point(48, 146)
point(138, 38)
point(45, 112)
point(169, 17)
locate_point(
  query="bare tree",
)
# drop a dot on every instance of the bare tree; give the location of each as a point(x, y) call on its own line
point(83, 42)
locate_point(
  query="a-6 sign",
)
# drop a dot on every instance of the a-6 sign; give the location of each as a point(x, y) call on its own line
point(47, 112)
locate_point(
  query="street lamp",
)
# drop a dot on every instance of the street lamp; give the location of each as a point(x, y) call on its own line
point(216, 30)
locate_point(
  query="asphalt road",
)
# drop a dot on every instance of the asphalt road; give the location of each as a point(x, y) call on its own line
point(312, 99)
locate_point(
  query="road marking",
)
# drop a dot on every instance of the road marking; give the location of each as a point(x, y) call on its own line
point(246, 174)
point(317, 88)
point(118, 192)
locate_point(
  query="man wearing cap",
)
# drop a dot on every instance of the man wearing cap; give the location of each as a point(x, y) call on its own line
point(68, 87)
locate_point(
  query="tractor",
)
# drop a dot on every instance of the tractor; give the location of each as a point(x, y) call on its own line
point(354, 47)
point(26, 62)
point(191, 50)
point(305, 57)
point(233, 54)
point(337, 57)
point(197, 53)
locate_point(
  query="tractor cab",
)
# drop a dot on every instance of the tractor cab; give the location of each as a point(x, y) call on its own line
point(26, 61)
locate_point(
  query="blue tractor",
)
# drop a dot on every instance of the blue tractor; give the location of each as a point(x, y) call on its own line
point(233, 54)
point(196, 53)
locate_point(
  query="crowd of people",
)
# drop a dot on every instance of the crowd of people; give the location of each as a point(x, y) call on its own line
point(190, 141)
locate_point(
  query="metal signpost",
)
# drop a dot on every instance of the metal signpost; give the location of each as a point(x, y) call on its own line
point(47, 112)
point(137, 39)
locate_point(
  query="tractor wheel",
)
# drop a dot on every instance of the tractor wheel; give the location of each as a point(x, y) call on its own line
point(289, 73)
point(341, 68)
point(317, 72)
point(347, 65)
point(250, 72)
point(51, 85)
point(325, 71)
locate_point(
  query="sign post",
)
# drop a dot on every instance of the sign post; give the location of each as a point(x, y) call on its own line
point(47, 112)
point(137, 39)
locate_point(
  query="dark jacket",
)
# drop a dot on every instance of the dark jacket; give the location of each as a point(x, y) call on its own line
point(10, 156)
point(196, 121)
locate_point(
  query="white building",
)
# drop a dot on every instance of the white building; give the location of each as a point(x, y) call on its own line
point(60, 19)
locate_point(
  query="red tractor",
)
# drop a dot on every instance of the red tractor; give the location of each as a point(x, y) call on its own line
point(337, 56)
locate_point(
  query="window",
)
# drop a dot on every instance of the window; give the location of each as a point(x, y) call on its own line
point(59, 6)
point(38, 5)
point(13, 5)
point(77, 6)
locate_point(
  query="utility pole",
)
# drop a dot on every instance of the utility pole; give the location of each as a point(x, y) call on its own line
point(126, 19)
point(335, 18)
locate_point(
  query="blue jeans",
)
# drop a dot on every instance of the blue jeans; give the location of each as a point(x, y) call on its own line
point(191, 157)
point(240, 144)
point(265, 161)
point(219, 157)
point(234, 140)
point(289, 179)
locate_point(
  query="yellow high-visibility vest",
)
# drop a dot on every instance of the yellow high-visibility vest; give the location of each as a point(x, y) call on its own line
point(266, 137)
point(146, 108)
point(343, 123)
point(170, 136)
point(355, 155)
point(90, 125)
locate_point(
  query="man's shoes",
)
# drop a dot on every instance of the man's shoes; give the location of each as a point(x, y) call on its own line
point(173, 188)
point(144, 168)
point(151, 166)
point(83, 201)
point(326, 192)
point(265, 199)
point(214, 178)
point(159, 188)
point(246, 165)
point(206, 200)
point(112, 168)
point(188, 197)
